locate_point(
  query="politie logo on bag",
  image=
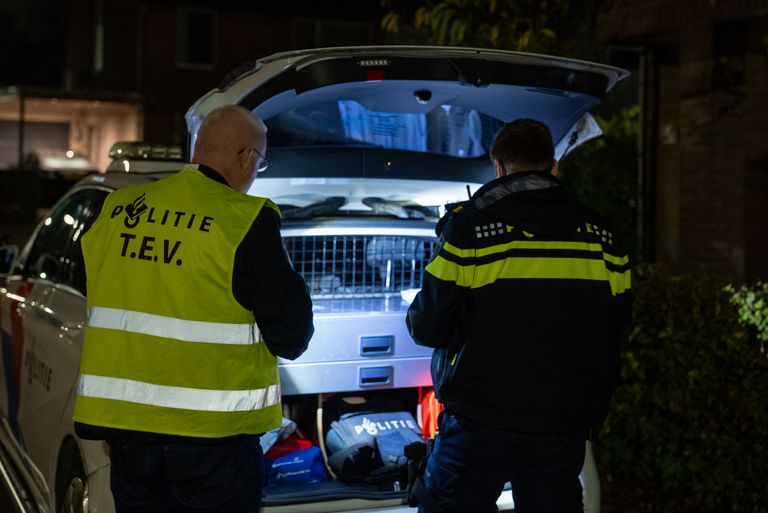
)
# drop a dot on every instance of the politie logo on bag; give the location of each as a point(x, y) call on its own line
point(353, 428)
point(385, 435)
point(374, 427)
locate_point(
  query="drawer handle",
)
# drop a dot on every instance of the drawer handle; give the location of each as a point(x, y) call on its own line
point(377, 345)
point(375, 376)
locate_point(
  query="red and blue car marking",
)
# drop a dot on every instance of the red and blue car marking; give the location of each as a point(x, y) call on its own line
point(13, 351)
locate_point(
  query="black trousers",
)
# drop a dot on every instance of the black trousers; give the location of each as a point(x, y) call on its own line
point(470, 465)
point(176, 478)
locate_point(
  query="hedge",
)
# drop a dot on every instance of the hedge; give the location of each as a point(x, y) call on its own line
point(689, 421)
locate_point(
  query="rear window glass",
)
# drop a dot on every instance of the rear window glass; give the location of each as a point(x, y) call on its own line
point(446, 130)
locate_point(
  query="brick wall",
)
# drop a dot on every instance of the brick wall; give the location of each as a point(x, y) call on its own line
point(637, 20)
point(709, 149)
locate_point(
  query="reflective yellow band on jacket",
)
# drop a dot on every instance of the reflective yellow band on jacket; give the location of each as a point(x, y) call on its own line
point(444, 269)
point(454, 250)
point(553, 269)
point(476, 276)
point(141, 392)
point(620, 282)
point(171, 327)
point(529, 244)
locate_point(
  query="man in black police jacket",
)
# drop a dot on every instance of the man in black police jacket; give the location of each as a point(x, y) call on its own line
point(525, 302)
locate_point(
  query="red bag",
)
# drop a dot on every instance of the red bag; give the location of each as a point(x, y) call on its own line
point(287, 446)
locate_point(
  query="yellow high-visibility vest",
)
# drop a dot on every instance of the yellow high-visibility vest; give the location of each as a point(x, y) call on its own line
point(167, 347)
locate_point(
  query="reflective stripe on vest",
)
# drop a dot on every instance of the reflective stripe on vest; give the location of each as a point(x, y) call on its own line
point(171, 327)
point(140, 392)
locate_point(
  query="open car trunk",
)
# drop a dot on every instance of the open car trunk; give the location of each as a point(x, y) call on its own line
point(311, 416)
point(367, 147)
point(337, 494)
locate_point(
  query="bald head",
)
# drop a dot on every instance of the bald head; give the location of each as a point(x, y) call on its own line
point(228, 141)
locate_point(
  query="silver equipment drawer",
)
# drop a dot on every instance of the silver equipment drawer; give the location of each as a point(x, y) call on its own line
point(353, 336)
point(351, 376)
point(358, 344)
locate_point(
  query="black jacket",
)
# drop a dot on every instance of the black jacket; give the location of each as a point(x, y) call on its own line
point(526, 302)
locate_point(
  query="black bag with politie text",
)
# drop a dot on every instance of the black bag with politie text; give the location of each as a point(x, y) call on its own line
point(366, 440)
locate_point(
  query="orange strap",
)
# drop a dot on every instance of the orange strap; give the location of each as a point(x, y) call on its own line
point(430, 409)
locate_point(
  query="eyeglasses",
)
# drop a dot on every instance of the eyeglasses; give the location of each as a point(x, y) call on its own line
point(263, 163)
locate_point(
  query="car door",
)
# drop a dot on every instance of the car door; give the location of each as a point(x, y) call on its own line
point(48, 318)
point(22, 487)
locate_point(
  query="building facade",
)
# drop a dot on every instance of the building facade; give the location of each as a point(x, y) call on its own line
point(704, 80)
point(172, 52)
point(131, 69)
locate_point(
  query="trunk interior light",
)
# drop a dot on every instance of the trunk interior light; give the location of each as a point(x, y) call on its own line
point(374, 62)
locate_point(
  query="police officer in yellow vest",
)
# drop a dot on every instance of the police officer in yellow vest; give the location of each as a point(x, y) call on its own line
point(191, 298)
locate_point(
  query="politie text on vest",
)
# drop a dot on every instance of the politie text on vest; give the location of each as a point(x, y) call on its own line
point(150, 248)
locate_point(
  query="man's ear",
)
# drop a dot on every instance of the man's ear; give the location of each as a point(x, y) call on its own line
point(245, 159)
point(555, 165)
point(499, 167)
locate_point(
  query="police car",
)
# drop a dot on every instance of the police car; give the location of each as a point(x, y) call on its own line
point(366, 147)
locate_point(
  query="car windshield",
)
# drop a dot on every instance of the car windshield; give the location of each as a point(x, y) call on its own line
point(446, 130)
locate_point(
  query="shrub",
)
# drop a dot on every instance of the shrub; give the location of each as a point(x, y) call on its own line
point(689, 419)
point(752, 303)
